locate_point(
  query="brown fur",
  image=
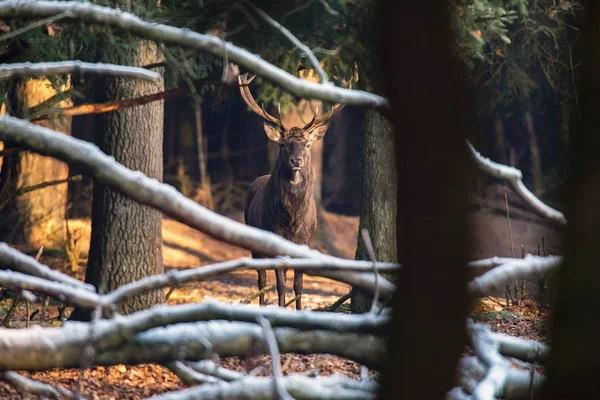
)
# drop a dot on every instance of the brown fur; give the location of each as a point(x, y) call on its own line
point(277, 204)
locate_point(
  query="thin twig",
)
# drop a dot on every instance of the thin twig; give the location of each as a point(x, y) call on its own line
point(290, 36)
point(35, 25)
point(278, 389)
point(340, 301)
point(264, 290)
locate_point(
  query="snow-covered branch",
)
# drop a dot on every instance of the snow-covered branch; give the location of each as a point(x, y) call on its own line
point(91, 13)
point(517, 385)
point(487, 351)
point(290, 36)
point(70, 67)
point(516, 268)
point(298, 386)
point(13, 259)
point(167, 199)
point(515, 178)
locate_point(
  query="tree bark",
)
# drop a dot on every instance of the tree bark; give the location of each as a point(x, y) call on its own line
point(37, 218)
point(574, 365)
point(379, 178)
point(126, 240)
point(379, 186)
point(433, 115)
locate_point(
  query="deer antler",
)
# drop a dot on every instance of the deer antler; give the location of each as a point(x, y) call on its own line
point(249, 100)
point(324, 118)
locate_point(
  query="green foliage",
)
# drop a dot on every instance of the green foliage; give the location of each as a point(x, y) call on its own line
point(518, 51)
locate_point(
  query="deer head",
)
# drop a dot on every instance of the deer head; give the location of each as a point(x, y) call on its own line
point(294, 143)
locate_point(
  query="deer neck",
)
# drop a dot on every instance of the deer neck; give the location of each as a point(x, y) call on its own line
point(293, 190)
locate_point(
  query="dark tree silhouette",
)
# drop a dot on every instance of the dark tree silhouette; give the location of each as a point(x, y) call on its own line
point(432, 115)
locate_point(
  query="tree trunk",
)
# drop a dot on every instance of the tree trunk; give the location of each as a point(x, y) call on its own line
point(574, 365)
point(499, 141)
point(379, 184)
point(37, 218)
point(126, 240)
point(536, 160)
point(432, 114)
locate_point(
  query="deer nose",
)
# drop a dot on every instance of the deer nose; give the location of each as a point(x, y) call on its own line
point(295, 162)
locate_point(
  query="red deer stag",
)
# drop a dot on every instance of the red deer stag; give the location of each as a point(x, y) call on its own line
point(283, 202)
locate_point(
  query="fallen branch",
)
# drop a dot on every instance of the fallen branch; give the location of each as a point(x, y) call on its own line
point(515, 268)
point(517, 385)
point(210, 368)
point(71, 67)
point(298, 386)
point(78, 296)
point(167, 199)
point(182, 37)
point(15, 260)
point(46, 348)
point(26, 386)
point(176, 278)
point(515, 178)
point(487, 351)
point(250, 298)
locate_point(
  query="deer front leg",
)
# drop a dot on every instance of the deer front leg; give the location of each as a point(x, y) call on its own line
point(262, 282)
point(298, 286)
point(280, 274)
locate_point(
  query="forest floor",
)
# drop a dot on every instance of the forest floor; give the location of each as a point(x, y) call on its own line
point(187, 248)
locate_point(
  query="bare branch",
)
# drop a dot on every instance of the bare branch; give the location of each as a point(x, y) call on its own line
point(497, 367)
point(515, 178)
point(189, 376)
point(175, 277)
point(29, 386)
point(167, 199)
point(210, 368)
point(290, 36)
point(45, 348)
point(517, 384)
point(70, 67)
point(73, 295)
point(278, 390)
point(300, 387)
point(15, 260)
point(169, 35)
point(515, 268)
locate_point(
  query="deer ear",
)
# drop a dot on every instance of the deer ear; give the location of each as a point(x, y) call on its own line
point(273, 132)
point(318, 132)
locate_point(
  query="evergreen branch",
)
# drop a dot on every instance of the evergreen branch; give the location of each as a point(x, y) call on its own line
point(36, 24)
point(167, 199)
point(69, 67)
point(290, 36)
point(185, 38)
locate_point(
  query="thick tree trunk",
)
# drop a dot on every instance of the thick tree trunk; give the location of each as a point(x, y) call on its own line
point(432, 114)
point(379, 186)
point(574, 364)
point(37, 218)
point(126, 240)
